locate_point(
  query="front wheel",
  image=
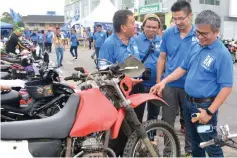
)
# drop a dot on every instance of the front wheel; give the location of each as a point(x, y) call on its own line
point(167, 146)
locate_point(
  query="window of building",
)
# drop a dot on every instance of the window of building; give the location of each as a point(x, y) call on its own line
point(210, 2)
point(127, 4)
point(148, 2)
point(41, 24)
point(185, 0)
point(202, 1)
point(31, 24)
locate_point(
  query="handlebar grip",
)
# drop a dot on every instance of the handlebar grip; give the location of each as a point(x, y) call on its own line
point(207, 143)
point(68, 78)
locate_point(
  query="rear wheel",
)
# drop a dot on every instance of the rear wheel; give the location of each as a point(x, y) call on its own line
point(168, 147)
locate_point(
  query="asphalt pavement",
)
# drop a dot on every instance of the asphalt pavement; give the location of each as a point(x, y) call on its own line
point(227, 112)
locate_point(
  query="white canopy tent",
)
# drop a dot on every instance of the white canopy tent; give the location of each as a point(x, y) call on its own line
point(104, 12)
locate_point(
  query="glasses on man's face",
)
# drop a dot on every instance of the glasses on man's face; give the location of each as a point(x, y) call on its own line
point(203, 34)
point(180, 19)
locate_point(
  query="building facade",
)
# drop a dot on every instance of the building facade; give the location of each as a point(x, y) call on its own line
point(43, 22)
point(222, 7)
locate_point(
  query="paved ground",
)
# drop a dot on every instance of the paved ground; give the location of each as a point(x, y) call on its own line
point(227, 113)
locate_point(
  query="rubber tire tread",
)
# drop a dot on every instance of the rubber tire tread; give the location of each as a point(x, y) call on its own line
point(133, 139)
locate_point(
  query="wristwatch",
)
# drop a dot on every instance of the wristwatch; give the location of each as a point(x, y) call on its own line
point(209, 112)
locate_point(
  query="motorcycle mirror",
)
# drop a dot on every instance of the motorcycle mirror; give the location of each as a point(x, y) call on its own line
point(132, 67)
point(204, 128)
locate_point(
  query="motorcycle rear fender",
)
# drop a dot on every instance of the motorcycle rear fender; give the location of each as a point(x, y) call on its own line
point(15, 149)
point(138, 99)
point(95, 113)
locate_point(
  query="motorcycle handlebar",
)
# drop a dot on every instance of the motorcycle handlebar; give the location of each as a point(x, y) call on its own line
point(207, 143)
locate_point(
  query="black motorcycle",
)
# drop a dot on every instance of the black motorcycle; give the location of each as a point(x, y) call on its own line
point(48, 97)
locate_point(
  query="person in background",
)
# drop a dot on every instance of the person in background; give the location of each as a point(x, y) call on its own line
point(34, 37)
point(84, 36)
point(148, 43)
point(41, 40)
point(99, 39)
point(90, 37)
point(74, 45)
point(15, 41)
point(27, 34)
point(49, 40)
point(175, 42)
point(59, 47)
point(209, 82)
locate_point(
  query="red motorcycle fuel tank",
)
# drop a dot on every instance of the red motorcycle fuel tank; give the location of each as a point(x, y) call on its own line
point(95, 113)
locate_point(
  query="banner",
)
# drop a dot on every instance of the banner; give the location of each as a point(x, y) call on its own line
point(105, 26)
point(15, 16)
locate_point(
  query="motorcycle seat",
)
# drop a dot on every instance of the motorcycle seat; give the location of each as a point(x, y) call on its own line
point(13, 60)
point(4, 75)
point(5, 67)
point(10, 98)
point(57, 126)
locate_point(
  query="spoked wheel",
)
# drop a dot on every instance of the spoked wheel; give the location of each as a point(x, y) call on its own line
point(162, 136)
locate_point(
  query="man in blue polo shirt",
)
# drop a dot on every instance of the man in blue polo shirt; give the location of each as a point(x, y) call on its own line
point(209, 81)
point(116, 49)
point(49, 40)
point(99, 38)
point(148, 43)
point(174, 47)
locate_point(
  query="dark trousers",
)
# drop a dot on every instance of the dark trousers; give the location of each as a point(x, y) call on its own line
point(75, 51)
point(191, 128)
point(118, 144)
point(90, 42)
point(48, 46)
point(97, 50)
point(35, 43)
point(152, 109)
point(175, 98)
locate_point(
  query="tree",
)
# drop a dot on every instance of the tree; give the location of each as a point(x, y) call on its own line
point(6, 17)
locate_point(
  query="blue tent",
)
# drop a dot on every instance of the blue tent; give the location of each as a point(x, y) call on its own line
point(6, 25)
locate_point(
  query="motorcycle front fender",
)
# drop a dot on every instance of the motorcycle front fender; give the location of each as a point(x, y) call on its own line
point(138, 99)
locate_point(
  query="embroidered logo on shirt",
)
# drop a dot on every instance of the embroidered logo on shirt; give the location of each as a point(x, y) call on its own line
point(207, 62)
point(195, 39)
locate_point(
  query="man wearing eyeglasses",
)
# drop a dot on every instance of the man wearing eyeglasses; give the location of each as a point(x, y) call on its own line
point(174, 48)
point(209, 82)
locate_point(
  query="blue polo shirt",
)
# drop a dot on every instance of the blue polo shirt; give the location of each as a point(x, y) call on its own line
point(209, 69)
point(74, 40)
point(49, 37)
point(99, 38)
point(143, 45)
point(34, 37)
point(176, 50)
point(41, 38)
point(114, 50)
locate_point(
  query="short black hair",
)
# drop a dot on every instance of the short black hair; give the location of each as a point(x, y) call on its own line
point(57, 28)
point(98, 25)
point(152, 19)
point(120, 18)
point(181, 6)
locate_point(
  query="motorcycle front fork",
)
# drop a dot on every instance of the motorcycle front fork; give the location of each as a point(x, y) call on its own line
point(134, 123)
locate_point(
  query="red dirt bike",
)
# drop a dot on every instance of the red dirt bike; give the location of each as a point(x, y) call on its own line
point(90, 118)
